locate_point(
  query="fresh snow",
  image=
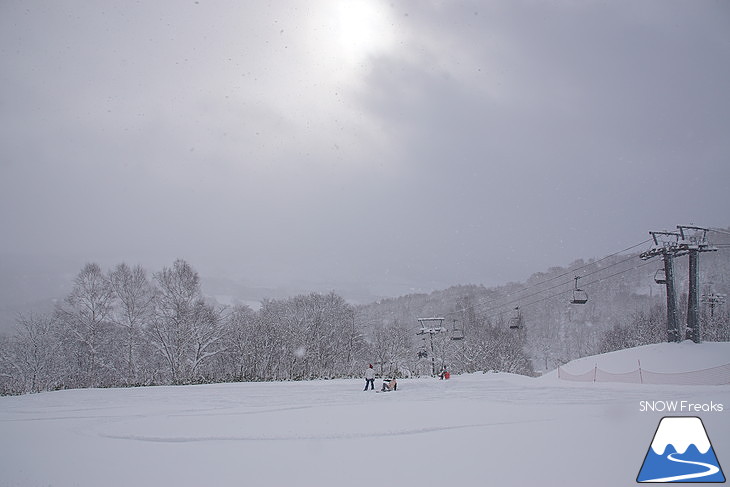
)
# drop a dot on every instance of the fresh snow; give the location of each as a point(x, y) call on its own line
point(686, 356)
point(472, 430)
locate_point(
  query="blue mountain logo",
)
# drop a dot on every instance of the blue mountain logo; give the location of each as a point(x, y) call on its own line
point(681, 452)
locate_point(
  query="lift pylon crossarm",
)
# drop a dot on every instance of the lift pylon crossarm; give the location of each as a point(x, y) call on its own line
point(679, 243)
point(431, 326)
point(696, 240)
point(665, 239)
point(714, 299)
point(664, 243)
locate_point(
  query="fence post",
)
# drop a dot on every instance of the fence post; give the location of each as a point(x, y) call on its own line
point(595, 371)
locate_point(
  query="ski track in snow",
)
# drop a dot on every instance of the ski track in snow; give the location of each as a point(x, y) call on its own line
point(344, 436)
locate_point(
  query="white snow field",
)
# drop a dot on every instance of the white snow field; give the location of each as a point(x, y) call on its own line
point(472, 430)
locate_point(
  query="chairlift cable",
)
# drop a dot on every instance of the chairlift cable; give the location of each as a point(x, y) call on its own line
point(719, 230)
point(568, 272)
point(477, 306)
point(545, 298)
point(570, 290)
point(572, 271)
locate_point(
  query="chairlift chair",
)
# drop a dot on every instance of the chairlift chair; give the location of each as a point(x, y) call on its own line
point(515, 322)
point(579, 295)
point(660, 276)
point(456, 333)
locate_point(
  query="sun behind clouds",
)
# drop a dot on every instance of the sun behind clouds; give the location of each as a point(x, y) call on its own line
point(364, 27)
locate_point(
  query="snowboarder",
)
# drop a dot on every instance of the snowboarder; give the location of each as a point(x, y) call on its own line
point(369, 378)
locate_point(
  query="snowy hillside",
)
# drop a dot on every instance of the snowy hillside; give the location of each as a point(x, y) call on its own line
point(661, 357)
point(472, 430)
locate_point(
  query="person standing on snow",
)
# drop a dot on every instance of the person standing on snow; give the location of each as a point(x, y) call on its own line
point(370, 378)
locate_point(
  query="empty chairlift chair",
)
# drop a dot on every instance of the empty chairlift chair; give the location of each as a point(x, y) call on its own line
point(515, 322)
point(456, 332)
point(579, 295)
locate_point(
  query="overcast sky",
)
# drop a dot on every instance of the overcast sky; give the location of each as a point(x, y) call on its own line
point(414, 144)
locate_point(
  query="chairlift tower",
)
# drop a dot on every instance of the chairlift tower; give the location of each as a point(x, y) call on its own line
point(712, 300)
point(666, 244)
point(689, 240)
point(695, 241)
point(431, 326)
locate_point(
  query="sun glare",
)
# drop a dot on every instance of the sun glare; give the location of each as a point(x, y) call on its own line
point(363, 28)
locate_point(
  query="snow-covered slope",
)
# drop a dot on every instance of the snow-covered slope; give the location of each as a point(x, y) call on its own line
point(686, 356)
point(472, 430)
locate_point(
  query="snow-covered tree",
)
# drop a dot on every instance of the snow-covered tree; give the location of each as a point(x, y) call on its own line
point(240, 360)
point(10, 379)
point(392, 348)
point(641, 328)
point(35, 353)
point(135, 299)
point(85, 319)
point(184, 330)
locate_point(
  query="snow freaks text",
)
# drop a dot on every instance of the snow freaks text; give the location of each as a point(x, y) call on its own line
point(680, 407)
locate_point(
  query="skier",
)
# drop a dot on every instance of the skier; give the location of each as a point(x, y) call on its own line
point(369, 378)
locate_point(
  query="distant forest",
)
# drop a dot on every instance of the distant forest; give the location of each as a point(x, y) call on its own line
point(127, 327)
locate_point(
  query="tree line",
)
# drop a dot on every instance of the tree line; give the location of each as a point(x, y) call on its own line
point(127, 327)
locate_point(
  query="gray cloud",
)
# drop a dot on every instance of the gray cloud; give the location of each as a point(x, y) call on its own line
point(472, 142)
